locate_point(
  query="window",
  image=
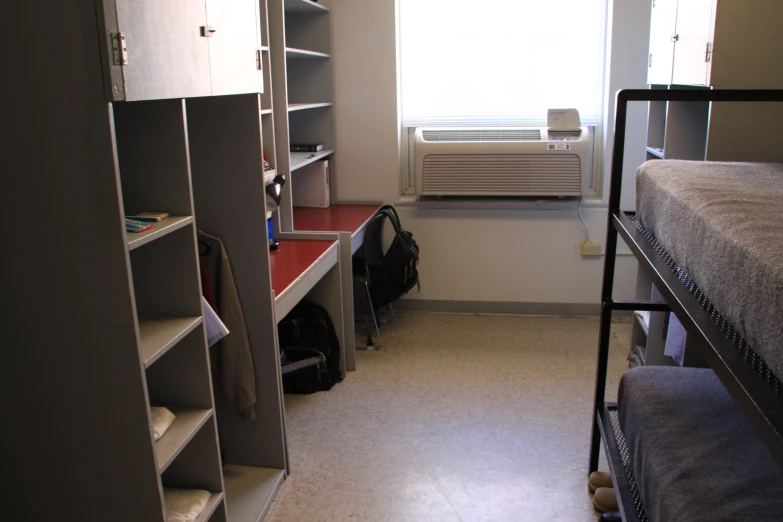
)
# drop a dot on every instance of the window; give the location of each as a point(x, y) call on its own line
point(500, 62)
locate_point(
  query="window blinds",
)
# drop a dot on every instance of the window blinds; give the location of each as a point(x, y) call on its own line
point(500, 62)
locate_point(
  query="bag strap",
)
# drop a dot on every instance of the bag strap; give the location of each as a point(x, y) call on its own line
point(373, 249)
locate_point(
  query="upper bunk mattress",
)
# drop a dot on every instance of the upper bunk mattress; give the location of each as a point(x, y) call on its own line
point(723, 224)
point(694, 456)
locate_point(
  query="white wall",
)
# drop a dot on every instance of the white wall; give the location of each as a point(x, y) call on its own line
point(528, 256)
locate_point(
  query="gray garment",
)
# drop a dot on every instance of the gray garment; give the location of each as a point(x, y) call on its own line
point(636, 356)
point(236, 374)
point(723, 223)
point(694, 455)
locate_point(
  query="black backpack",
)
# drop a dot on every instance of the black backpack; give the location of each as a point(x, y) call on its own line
point(309, 350)
point(394, 273)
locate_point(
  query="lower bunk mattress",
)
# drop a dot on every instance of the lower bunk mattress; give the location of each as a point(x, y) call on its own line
point(723, 224)
point(693, 454)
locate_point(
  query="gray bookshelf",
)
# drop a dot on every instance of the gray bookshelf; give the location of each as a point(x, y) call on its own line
point(300, 48)
point(226, 140)
point(707, 44)
point(107, 324)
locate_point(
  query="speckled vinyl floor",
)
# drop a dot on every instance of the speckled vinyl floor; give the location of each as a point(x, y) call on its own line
point(457, 418)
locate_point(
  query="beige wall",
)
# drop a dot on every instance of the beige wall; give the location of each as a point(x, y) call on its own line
point(529, 256)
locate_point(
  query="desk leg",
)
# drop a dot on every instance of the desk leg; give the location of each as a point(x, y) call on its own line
point(328, 293)
point(349, 327)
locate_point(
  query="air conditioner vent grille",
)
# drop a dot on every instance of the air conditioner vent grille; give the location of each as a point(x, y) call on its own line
point(502, 174)
point(482, 135)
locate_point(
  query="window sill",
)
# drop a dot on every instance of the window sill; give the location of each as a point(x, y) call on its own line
point(496, 203)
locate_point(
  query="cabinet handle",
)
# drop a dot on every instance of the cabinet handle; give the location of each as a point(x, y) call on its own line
point(208, 31)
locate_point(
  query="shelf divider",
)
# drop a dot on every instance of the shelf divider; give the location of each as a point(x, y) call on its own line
point(302, 54)
point(304, 106)
point(185, 426)
point(159, 335)
point(250, 491)
point(158, 230)
point(300, 159)
point(209, 509)
point(303, 6)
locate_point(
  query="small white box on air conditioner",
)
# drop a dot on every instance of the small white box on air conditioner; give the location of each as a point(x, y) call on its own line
point(310, 185)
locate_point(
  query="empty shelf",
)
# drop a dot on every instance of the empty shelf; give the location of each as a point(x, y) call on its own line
point(304, 6)
point(658, 153)
point(302, 54)
point(265, 112)
point(264, 48)
point(300, 159)
point(250, 491)
point(186, 424)
point(212, 504)
point(158, 230)
point(303, 106)
point(159, 335)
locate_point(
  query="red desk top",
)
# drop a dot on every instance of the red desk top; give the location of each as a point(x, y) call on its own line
point(292, 259)
point(337, 218)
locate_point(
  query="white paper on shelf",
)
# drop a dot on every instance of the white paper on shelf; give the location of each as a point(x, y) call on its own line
point(162, 418)
point(216, 330)
point(675, 340)
point(184, 505)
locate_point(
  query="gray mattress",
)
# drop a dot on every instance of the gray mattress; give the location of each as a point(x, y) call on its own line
point(723, 223)
point(694, 456)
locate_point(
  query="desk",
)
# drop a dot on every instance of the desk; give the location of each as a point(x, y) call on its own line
point(309, 267)
point(337, 218)
point(349, 221)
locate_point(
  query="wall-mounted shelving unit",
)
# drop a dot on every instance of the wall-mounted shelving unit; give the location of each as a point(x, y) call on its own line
point(702, 44)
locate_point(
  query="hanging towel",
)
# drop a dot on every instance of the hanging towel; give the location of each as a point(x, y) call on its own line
point(162, 419)
point(184, 505)
point(236, 374)
point(216, 330)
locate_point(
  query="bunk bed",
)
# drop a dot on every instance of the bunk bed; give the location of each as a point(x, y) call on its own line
point(687, 443)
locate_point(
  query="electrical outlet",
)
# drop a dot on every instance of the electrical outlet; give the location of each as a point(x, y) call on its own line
point(591, 249)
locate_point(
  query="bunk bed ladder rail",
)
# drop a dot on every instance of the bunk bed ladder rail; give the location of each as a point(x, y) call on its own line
point(769, 430)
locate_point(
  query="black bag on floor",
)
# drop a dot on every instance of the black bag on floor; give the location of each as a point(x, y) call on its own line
point(394, 273)
point(309, 350)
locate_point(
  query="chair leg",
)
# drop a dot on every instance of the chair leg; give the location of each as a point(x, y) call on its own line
point(374, 320)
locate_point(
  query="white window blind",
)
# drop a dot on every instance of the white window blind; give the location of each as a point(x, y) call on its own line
point(500, 62)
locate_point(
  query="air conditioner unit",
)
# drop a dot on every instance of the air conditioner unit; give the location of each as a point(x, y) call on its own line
point(524, 161)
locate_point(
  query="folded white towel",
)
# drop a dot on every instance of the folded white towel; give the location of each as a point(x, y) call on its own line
point(161, 421)
point(184, 505)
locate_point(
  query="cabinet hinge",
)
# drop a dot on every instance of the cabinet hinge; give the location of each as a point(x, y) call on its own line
point(258, 59)
point(653, 3)
point(649, 61)
point(675, 38)
point(708, 54)
point(119, 49)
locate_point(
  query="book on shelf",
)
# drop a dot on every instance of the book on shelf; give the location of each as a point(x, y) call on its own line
point(132, 225)
point(149, 216)
point(307, 147)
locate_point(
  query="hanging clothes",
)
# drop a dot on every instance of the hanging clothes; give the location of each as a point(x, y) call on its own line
point(236, 374)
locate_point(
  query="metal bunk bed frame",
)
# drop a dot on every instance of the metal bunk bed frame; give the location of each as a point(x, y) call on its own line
point(756, 390)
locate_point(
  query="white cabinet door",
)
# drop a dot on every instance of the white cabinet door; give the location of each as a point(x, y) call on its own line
point(234, 46)
point(662, 27)
point(166, 57)
point(694, 21)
